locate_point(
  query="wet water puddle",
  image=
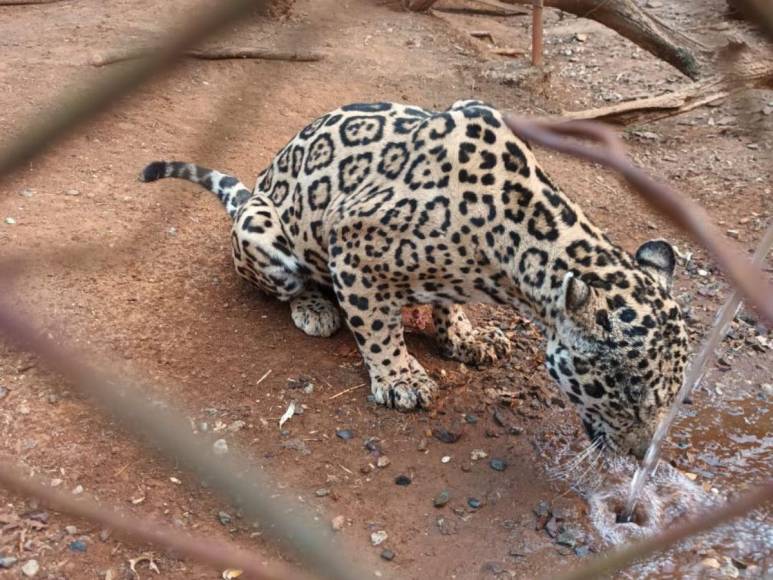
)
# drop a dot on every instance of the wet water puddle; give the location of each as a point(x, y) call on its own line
point(720, 446)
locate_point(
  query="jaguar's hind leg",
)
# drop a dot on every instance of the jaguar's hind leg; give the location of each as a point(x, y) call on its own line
point(262, 253)
point(314, 313)
point(459, 340)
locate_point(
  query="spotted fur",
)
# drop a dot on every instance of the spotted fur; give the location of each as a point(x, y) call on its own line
point(392, 205)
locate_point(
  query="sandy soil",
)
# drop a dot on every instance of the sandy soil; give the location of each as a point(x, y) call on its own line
point(156, 296)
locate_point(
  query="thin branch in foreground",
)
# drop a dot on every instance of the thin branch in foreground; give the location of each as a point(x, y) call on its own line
point(168, 432)
point(214, 553)
point(689, 216)
point(609, 562)
point(211, 53)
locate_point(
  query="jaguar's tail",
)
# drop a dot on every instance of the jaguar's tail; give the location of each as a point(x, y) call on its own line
point(229, 190)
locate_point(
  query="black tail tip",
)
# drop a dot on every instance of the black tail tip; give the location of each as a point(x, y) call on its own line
point(153, 171)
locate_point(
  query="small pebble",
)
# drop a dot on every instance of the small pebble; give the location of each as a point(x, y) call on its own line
point(31, 568)
point(3, 392)
point(441, 499)
point(445, 459)
point(71, 530)
point(224, 518)
point(27, 193)
point(387, 555)
point(322, 492)
point(498, 464)
point(344, 434)
point(474, 502)
point(446, 436)
point(711, 563)
point(337, 523)
point(403, 480)
point(76, 491)
point(582, 551)
point(471, 419)
point(422, 445)
point(77, 546)
point(378, 537)
point(372, 445)
point(72, 192)
point(220, 447)
point(6, 562)
point(476, 454)
point(10, 221)
point(383, 461)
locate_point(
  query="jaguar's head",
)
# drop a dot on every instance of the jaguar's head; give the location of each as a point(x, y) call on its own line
point(619, 347)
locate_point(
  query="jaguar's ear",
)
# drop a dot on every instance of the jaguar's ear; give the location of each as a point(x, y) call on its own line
point(575, 293)
point(659, 259)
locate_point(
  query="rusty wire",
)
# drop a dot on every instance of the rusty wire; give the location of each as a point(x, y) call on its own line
point(215, 553)
point(687, 215)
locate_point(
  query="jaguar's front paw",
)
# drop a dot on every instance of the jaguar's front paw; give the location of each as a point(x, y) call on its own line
point(483, 346)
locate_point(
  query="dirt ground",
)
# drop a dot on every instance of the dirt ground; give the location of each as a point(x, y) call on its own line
point(156, 297)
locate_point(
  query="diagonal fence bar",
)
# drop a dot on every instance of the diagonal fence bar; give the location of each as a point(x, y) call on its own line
point(169, 432)
point(214, 553)
point(83, 102)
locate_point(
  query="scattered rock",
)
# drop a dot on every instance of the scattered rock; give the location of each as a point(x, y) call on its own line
point(422, 444)
point(711, 563)
point(373, 445)
point(474, 502)
point(344, 434)
point(220, 447)
point(441, 499)
point(71, 530)
point(498, 464)
point(31, 568)
point(383, 461)
point(297, 445)
point(387, 555)
point(7, 562)
point(10, 221)
point(72, 192)
point(476, 454)
point(224, 518)
point(403, 480)
point(77, 490)
point(471, 419)
point(580, 37)
point(567, 537)
point(77, 546)
point(337, 523)
point(322, 492)
point(445, 459)
point(236, 426)
point(446, 435)
point(767, 390)
point(3, 392)
point(582, 551)
point(27, 193)
point(379, 537)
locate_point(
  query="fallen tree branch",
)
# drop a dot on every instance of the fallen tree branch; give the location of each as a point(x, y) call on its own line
point(212, 53)
point(605, 564)
point(487, 8)
point(752, 74)
point(210, 551)
point(689, 216)
point(627, 19)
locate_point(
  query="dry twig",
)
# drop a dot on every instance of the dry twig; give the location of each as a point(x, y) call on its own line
point(689, 216)
point(210, 53)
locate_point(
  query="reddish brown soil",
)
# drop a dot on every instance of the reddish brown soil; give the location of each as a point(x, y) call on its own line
point(156, 295)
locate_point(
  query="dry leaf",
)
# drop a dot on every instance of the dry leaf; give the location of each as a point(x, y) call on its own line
point(228, 574)
point(289, 413)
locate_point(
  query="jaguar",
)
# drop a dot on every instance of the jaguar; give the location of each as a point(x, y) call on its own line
point(376, 206)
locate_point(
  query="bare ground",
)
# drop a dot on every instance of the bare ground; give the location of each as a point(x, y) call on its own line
point(156, 297)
